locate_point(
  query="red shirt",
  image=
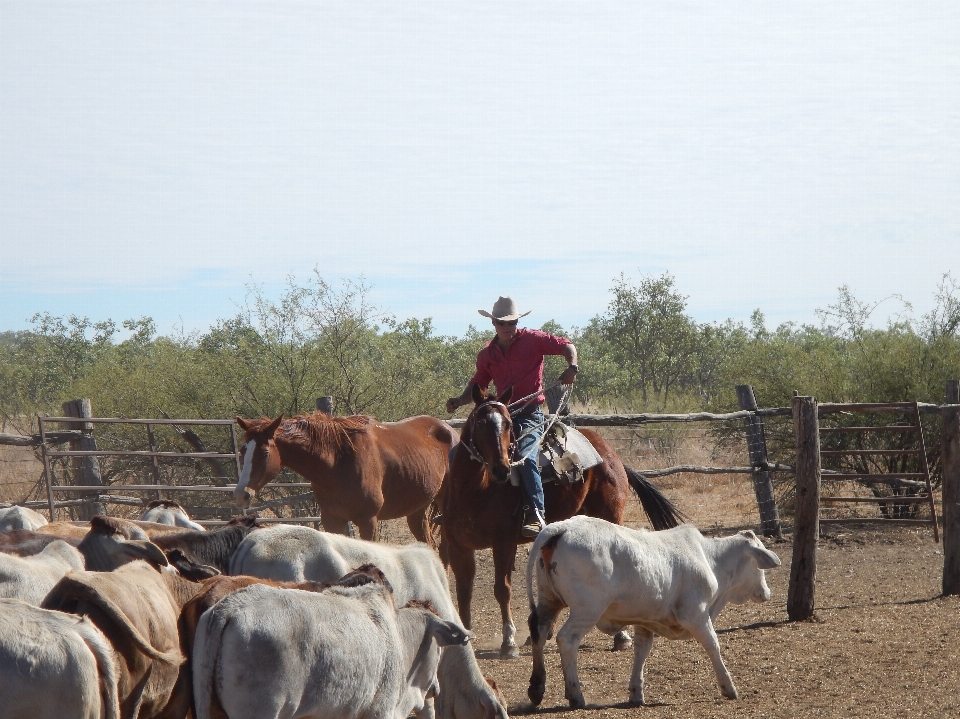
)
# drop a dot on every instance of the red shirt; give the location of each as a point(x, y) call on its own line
point(521, 366)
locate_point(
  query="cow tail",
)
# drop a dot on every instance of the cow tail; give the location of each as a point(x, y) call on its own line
point(206, 656)
point(547, 538)
point(663, 513)
point(106, 668)
point(71, 590)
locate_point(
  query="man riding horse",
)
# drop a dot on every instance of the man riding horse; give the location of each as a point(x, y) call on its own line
point(514, 358)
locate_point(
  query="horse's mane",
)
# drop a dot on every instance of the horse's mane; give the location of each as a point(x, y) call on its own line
point(323, 432)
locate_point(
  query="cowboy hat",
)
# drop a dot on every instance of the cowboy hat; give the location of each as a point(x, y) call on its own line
point(504, 309)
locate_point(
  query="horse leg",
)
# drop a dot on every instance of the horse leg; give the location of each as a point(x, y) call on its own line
point(333, 524)
point(503, 560)
point(464, 566)
point(419, 527)
point(367, 528)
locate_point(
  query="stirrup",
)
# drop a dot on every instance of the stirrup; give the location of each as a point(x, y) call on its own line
point(531, 529)
point(532, 525)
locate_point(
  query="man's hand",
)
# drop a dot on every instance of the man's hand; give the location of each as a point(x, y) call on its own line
point(569, 375)
point(452, 404)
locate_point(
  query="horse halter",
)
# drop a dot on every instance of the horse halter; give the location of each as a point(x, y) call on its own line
point(471, 448)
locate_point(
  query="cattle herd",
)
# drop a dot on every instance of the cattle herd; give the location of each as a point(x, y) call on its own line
point(159, 618)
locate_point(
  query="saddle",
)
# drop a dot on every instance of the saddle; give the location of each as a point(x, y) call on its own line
point(565, 454)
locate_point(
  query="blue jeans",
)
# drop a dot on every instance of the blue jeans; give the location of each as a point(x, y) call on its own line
point(530, 469)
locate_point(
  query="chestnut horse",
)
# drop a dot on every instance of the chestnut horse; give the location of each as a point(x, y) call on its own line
point(360, 470)
point(480, 507)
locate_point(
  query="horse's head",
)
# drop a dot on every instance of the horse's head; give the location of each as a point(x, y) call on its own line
point(260, 458)
point(488, 432)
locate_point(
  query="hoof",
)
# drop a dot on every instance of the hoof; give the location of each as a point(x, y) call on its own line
point(576, 702)
point(509, 651)
point(731, 693)
point(622, 642)
point(535, 691)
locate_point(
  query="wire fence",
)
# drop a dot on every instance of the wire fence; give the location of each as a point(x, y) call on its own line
point(718, 501)
point(724, 499)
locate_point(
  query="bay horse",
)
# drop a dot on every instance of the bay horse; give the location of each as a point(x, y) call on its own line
point(361, 470)
point(480, 505)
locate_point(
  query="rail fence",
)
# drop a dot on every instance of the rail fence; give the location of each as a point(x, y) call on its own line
point(696, 458)
point(871, 466)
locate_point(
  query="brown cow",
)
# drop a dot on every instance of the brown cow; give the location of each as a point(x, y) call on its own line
point(69, 529)
point(25, 542)
point(136, 606)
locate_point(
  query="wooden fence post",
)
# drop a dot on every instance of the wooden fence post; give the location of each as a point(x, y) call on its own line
point(806, 526)
point(325, 405)
point(757, 449)
point(85, 470)
point(950, 464)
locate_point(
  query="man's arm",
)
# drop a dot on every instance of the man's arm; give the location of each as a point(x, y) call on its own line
point(569, 375)
point(454, 402)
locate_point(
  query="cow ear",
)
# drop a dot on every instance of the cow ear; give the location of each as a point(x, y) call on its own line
point(447, 634)
point(146, 550)
point(273, 426)
point(505, 397)
point(244, 425)
point(764, 558)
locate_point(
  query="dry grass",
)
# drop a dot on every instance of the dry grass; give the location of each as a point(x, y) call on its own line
point(19, 473)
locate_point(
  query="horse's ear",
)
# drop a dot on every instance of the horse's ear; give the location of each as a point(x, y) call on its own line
point(244, 425)
point(478, 397)
point(273, 426)
point(505, 397)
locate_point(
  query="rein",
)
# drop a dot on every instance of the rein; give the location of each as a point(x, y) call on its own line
point(547, 424)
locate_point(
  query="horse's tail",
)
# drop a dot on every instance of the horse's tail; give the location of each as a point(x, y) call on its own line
point(662, 512)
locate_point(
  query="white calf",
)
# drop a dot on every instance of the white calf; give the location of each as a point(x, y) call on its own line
point(14, 517)
point(30, 578)
point(54, 665)
point(290, 553)
point(345, 653)
point(673, 583)
point(166, 511)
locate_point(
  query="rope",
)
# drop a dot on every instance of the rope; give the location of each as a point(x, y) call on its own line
point(535, 394)
point(552, 419)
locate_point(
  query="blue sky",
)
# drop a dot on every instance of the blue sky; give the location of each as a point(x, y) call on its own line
point(156, 157)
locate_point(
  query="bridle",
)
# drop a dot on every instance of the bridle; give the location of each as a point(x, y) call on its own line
point(514, 440)
point(470, 447)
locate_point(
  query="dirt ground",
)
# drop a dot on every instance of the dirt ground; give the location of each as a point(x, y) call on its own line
point(884, 644)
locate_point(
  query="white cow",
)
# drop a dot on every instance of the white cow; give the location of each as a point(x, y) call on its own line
point(14, 517)
point(30, 578)
point(166, 511)
point(290, 553)
point(345, 653)
point(673, 583)
point(53, 665)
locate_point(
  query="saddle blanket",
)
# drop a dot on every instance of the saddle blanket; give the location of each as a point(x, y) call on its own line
point(565, 454)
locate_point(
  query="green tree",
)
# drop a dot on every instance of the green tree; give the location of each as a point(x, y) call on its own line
point(646, 333)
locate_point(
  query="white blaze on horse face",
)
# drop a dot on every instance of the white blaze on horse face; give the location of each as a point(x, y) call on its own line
point(496, 419)
point(244, 480)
